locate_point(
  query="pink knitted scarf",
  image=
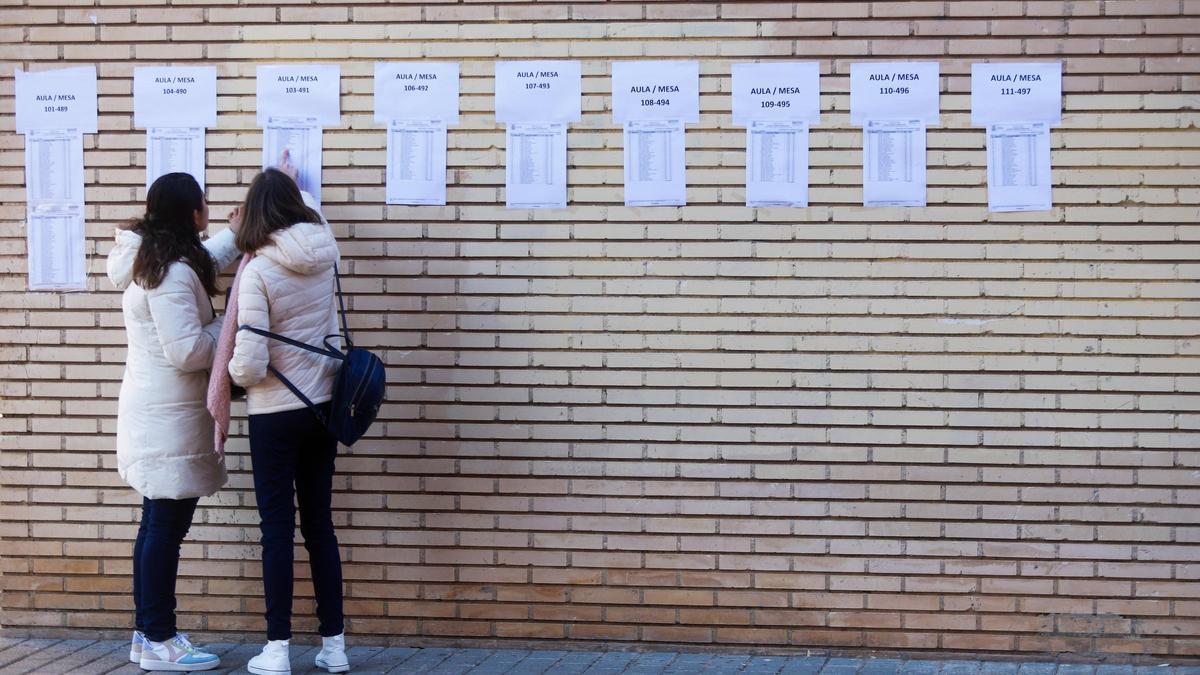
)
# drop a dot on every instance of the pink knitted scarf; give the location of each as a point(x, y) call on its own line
point(218, 379)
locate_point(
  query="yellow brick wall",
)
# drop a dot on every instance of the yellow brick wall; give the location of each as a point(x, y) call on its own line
point(932, 428)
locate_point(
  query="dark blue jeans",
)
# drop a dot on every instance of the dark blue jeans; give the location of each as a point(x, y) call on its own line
point(165, 522)
point(293, 457)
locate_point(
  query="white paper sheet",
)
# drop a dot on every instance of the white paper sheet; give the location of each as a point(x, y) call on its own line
point(299, 90)
point(171, 149)
point(536, 176)
point(656, 90)
point(894, 163)
point(777, 163)
point(787, 90)
point(56, 99)
point(175, 96)
point(55, 241)
point(654, 166)
point(53, 166)
point(1019, 167)
point(416, 162)
point(416, 90)
point(1016, 92)
point(302, 137)
point(538, 91)
point(896, 90)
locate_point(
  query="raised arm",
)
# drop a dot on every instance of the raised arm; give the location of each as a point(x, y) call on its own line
point(187, 344)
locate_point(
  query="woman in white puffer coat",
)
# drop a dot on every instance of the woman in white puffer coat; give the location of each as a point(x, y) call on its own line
point(164, 431)
point(288, 289)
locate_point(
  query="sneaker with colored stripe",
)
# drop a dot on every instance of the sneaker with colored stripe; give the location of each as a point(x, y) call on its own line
point(135, 647)
point(176, 655)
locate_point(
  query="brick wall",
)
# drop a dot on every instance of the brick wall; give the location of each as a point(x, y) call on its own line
point(930, 428)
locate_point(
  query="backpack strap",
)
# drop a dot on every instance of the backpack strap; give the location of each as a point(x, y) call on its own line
point(337, 278)
point(331, 353)
point(300, 395)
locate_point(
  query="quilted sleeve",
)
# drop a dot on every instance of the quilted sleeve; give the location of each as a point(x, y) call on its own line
point(187, 344)
point(120, 259)
point(221, 247)
point(248, 366)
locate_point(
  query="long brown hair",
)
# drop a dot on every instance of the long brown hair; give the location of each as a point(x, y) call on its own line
point(168, 231)
point(273, 203)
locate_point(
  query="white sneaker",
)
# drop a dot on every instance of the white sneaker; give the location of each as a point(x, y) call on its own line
point(135, 646)
point(177, 655)
point(333, 654)
point(273, 660)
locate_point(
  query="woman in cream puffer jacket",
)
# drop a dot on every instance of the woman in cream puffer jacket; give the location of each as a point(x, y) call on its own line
point(288, 289)
point(164, 430)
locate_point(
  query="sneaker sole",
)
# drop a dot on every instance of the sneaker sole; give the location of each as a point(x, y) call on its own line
point(147, 664)
point(135, 657)
point(345, 668)
point(264, 671)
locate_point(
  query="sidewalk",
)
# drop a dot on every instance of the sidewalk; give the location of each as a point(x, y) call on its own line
point(96, 657)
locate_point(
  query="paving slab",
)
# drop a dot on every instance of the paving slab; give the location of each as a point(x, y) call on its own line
point(764, 665)
point(46, 658)
point(423, 661)
point(686, 663)
point(574, 663)
point(920, 667)
point(82, 656)
point(461, 661)
point(842, 666)
point(499, 661)
point(961, 667)
point(882, 667)
point(24, 648)
point(803, 665)
point(386, 660)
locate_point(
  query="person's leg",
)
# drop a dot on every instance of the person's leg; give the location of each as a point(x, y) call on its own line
point(138, 639)
point(273, 442)
point(314, 487)
point(160, 564)
point(139, 620)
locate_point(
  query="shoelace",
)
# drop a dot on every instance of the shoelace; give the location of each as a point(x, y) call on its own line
point(182, 641)
point(142, 636)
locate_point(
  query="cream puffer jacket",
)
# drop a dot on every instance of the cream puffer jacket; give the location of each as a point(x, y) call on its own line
point(164, 430)
point(288, 288)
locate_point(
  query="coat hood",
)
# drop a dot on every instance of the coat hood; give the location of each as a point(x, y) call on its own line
point(120, 259)
point(304, 248)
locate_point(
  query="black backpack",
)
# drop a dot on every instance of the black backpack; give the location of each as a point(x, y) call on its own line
point(358, 388)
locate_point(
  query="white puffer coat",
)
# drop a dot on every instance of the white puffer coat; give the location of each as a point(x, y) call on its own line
point(288, 288)
point(164, 430)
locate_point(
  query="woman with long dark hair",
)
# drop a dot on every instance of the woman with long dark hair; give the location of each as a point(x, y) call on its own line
point(288, 289)
point(164, 431)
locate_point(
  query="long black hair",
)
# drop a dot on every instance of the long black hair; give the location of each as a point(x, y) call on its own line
point(168, 231)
